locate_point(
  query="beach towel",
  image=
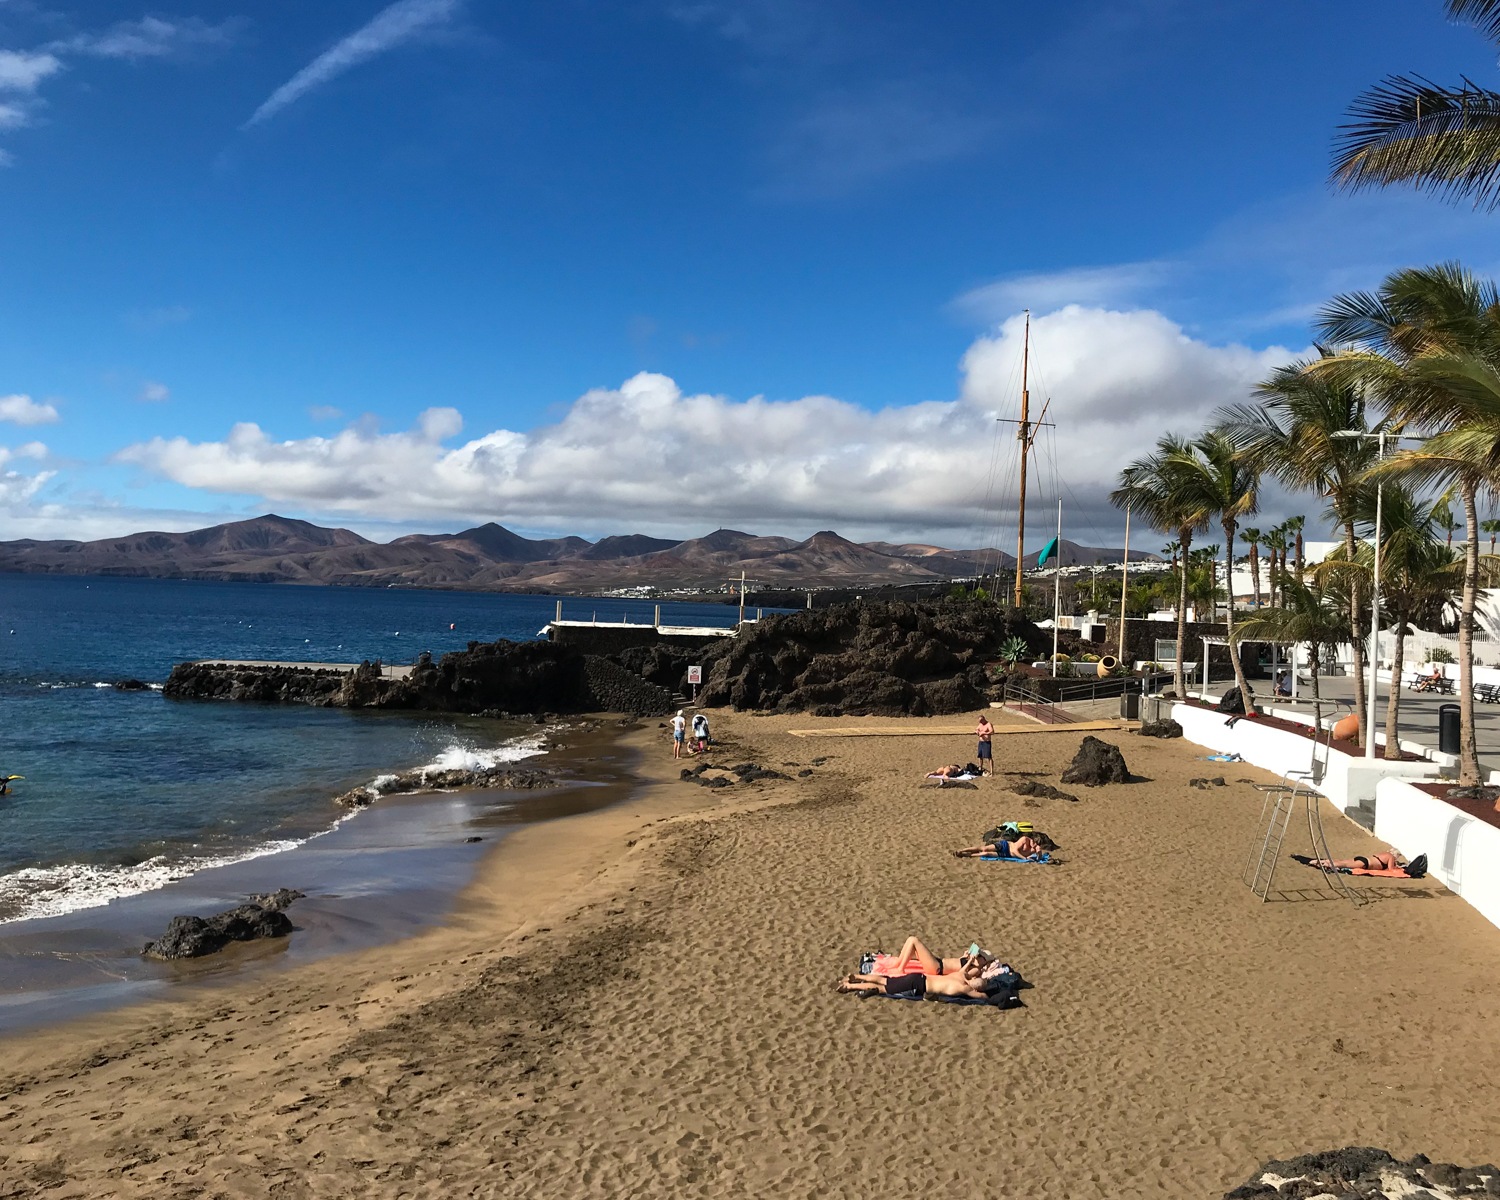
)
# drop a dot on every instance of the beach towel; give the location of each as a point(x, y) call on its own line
point(1043, 858)
point(1006, 994)
point(1222, 758)
point(944, 780)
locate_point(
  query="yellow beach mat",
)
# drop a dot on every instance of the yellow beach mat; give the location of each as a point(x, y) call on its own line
point(960, 730)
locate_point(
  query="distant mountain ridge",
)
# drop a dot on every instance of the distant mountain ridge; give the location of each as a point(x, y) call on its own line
point(274, 549)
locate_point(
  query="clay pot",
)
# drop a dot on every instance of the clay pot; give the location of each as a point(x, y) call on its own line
point(1107, 664)
point(1346, 729)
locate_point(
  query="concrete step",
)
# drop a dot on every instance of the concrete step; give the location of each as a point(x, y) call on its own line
point(1363, 816)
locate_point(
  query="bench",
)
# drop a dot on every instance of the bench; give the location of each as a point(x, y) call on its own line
point(1489, 693)
point(1442, 685)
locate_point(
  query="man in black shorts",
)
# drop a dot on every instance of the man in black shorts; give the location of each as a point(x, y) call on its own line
point(984, 731)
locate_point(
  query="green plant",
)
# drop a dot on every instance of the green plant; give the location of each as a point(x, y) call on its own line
point(1439, 654)
point(1088, 658)
point(1013, 650)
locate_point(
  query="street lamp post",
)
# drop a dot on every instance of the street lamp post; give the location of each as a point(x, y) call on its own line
point(1379, 439)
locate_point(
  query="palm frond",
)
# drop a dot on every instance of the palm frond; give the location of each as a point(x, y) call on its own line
point(1407, 129)
point(1484, 15)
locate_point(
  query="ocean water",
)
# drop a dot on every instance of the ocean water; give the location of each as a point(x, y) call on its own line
point(127, 791)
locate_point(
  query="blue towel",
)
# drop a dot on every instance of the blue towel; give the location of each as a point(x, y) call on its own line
point(1044, 857)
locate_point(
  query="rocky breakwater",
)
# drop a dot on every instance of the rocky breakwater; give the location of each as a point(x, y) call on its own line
point(500, 677)
point(876, 659)
point(432, 779)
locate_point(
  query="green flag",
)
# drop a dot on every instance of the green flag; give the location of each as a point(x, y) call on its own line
point(1047, 552)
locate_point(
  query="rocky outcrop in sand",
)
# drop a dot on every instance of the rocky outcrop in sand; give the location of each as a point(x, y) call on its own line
point(193, 937)
point(1364, 1173)
point(863, 659)
point(1097, 763)
point(1160, 729)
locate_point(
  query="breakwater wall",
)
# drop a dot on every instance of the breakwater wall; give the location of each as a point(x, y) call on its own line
point(520, 678)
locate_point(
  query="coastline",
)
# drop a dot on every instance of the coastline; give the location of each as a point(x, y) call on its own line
point(373, 876)
point(639, 999)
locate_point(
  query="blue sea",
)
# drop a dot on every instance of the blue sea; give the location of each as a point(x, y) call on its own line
point(126, 791)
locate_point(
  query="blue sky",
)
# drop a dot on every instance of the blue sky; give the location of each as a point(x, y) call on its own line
point(660, 265)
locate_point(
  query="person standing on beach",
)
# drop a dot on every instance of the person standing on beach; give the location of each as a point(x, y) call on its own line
point(700, 733)
point(984, 731)
point(679, 731)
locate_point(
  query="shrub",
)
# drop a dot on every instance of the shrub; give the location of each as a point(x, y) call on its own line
point(1440, 654)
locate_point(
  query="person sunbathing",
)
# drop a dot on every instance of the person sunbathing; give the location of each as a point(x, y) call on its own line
point(1380, 861)
point(1027, 845)
point(964, 985)
point(951, 771)
point(914, 956)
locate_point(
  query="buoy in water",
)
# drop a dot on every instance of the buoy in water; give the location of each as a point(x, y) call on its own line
point(451, 625)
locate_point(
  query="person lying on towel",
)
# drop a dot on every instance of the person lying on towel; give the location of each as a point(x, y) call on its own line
point(915, 956)
point(1385, 862)
point(951, 771)
point(1027, 845)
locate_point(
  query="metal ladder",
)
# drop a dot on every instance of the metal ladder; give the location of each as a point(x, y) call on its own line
point(1276, 812)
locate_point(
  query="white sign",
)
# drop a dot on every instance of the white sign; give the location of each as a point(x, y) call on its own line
point(695, 674)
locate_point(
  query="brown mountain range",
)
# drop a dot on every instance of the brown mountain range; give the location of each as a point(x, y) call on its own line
point(274, 549)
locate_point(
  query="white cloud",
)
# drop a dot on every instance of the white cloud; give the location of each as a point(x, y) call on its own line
point(325, 412)
point(13, 116)
point(398, 23)
point(647, 456)
point(17, 488)
point(23, 410)
point(22, 71)
point(149, 37)
point(1045, 291)
point(154, 393)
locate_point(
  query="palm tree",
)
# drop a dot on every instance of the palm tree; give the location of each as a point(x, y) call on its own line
point(1419, 579)
point(1228, 485)
point(1253, 537)
point(1440, 138)
point(1428, 342)
point(1491, 527)
point(1297, 432)
point(1443, 518)
point(1159, 488)
point(1293, 527)
point(1308, 615)
point(1275, 543)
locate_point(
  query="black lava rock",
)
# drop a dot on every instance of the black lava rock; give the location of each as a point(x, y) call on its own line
point(1097, 763)
point(193, 937)
point(1160, 729)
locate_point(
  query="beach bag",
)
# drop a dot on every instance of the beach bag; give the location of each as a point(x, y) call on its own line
point(1417, 868)
point(1007, 830)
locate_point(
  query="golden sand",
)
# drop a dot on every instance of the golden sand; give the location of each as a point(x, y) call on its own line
point(639, 1002)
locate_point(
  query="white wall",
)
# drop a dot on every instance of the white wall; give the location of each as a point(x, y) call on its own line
point(1347, 781)
point(1463, 853)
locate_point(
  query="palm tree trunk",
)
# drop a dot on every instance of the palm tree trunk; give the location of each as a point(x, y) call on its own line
point(1356, 641)
point(1254, 574)
point(1393, 705)
point(1234, 651)
point(1468, 744)
point(1317, 654)
point(1186, 540)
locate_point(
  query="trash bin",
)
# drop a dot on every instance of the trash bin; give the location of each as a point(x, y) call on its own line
point(1150, 708)
point(1130, 706)
point(1448, 725)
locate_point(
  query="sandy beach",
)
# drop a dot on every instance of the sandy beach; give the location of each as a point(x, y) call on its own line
point(639, 1001)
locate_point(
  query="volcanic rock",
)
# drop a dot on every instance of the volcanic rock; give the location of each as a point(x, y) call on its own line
point(129, 685)
point(878, 659)
point(1160, 729)
point(1365, 1172)
point(193, 937)
point(1097, 763)
point(1035, 787)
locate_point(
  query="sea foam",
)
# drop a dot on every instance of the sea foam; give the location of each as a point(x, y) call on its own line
point(33, 892)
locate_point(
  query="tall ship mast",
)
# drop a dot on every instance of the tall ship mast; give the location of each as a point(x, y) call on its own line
point(1023, 436)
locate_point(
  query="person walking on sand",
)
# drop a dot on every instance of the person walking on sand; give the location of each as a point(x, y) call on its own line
point(700, 734)
point(984, 731)
point(679, 731)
